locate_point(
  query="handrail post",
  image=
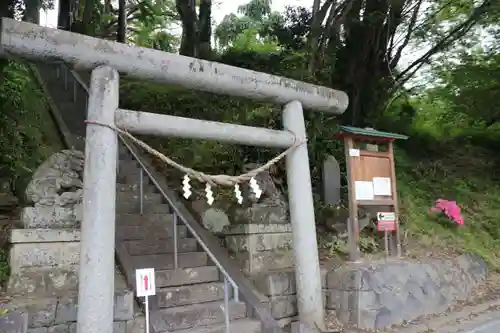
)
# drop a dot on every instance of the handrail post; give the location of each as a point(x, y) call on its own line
point(300, 201)
point(97, 254)
point(227, 312)
point(176, 254)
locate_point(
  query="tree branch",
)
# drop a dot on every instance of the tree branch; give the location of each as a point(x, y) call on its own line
point(411, 27)
point(459, 31)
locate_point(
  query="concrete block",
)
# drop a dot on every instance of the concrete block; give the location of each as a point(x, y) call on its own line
point(136, 325)
point(299, 327)
point(138, 232)
point(43, 254)
point(40, 312)
point(166, 261)
point(254, 263)
point(133, 197)
point(150, 246)
point(124, 305)
point(14, 322)
point(44, 235)
point(236, 326)
point(37, 330)
point(118, 327)
point(126, 207)
point(135, 219)
point(194, 315)
point(50, 217)
point(280, 283)
point(259, 242)
point(283, 306)
point(61, 328)
point(246, 229)
point(189, 294)
point(67, 308)
point(186, 276)
point(44, 281)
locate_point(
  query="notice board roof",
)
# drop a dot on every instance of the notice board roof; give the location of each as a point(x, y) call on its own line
point(368, 134)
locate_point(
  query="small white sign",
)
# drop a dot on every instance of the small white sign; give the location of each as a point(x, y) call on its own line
point(145, 282)
point(354, 152)
point(386, 216)
point(363, 190)
point(382, 186)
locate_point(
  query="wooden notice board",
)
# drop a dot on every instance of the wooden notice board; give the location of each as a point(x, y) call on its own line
point(371, 180)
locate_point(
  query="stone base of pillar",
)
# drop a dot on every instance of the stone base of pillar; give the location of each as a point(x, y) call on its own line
point(260, 247)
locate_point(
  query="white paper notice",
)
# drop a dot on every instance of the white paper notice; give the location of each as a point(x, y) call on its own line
point(354, 152)
point(382, 186)
point(363, 190)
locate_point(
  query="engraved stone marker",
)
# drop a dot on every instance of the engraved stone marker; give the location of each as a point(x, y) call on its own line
point(331, 181)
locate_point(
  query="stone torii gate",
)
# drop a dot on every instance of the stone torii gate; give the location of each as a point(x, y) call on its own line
point(106, 59)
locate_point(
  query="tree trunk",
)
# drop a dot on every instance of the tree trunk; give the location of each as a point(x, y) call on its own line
point(7, 8)
point(314, 35)
point(122, 22)
point(63, 19)
point(88, 12)
point(205, 29)
point(107, 6)
point(32, 11)
point(189, 40)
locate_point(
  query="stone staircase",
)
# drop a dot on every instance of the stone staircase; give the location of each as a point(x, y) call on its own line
point(191, 293)
point(188, 296)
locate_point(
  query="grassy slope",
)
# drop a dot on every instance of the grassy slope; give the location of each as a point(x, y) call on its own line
point(456, 170)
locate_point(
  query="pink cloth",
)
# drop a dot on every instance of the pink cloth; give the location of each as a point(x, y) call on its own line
point(450, 208)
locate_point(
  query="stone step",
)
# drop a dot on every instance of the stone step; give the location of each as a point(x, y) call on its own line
point(186, 276)
point(134, 187)
point(133, 197)
point(44, 312)
point(193, 316)
point(130, 177)
point(186, 295)
point(166, 261)
point(150, 246)
point(131, 168)
point(237, 326)
point(148, 232)
point(136, 219)
point(148, 208)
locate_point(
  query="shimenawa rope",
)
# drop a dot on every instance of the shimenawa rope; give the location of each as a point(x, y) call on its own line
point(213, 180)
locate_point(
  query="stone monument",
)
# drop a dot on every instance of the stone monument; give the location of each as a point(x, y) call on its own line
point(331, 181)
point(45, 254)
point(54, 194)
point(260, 235)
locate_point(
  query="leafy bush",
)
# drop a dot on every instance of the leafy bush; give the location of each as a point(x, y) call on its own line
point(27, 137)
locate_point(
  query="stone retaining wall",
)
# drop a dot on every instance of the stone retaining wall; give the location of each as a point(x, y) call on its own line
point(380, 294)
point(44, 281)
point(260, 247)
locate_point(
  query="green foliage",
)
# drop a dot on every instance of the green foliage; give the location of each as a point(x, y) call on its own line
point(460, 171)
point(252, 31)
point(4, 267)
point(248, 40)
point(27, 134)
point(472, 87)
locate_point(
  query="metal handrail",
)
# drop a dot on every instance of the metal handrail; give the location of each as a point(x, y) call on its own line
point(170, 202)
point(228, 280)
point(177, 213)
